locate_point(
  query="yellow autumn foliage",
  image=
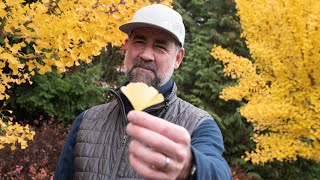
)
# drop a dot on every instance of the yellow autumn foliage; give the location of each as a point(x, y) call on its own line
point(62, 34)
point(13, 133)
point(282, 86)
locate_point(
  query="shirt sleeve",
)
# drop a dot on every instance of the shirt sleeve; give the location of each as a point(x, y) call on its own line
point(207, 148)
point(64, 169)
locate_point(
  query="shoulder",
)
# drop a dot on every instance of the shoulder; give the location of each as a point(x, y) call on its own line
point(191, 109)
point(96, 110)
point(186, 114)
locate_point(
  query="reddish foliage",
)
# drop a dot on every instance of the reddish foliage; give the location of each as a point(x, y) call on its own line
point(239, 174)
point(40, 158)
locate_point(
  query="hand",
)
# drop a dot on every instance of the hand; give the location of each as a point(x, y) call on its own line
point(160, 149)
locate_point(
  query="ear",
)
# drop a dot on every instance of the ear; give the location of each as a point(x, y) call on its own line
point(126, 42)
point(179, 58)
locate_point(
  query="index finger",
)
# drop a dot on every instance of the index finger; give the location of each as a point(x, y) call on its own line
point(172, 131)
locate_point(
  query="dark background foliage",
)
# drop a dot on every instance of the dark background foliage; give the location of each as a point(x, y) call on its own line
point(39, 159)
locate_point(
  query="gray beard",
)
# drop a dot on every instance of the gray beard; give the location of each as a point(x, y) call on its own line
point(135, 77)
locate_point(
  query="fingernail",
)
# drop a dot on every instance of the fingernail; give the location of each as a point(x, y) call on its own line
point(131, 115)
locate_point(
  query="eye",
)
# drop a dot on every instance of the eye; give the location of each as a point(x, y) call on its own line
point(161, 47)
point(139, 42)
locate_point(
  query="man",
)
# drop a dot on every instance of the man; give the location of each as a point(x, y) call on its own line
point(171, 140)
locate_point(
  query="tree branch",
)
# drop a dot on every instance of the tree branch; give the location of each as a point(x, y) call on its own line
point(28, 58)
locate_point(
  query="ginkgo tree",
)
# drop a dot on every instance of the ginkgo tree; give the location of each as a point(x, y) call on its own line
point(281, 83)
point(61, 34)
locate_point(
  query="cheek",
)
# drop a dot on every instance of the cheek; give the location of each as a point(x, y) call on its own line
point(128, 58)
point(127, 63)
point(165, 67)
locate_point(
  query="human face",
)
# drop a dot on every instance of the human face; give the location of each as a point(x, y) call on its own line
point(151, 56)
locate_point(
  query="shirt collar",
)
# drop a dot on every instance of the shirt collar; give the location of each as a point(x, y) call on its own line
point(165, 90)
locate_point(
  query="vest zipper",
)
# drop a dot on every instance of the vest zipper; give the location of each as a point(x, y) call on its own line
point(123, 141)
point(114, 173)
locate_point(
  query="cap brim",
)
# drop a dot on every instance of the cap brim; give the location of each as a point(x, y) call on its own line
point(129, 27)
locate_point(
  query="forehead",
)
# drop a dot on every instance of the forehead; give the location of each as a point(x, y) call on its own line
point(153, 33)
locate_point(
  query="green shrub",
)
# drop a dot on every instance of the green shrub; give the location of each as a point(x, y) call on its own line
point(301, 169)
point(62, 96)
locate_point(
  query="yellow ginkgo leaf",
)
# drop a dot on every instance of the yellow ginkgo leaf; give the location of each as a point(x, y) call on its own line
point(141, 95)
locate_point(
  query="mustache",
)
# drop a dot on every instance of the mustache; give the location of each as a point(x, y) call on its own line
point(144, 64)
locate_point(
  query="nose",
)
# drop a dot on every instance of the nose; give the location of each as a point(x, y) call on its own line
point(147, 53)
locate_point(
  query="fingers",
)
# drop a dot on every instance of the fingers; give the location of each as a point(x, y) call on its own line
point(166, 128)
point(145, 170)
point(150, 164)
point(154, 140)
point(154, 159)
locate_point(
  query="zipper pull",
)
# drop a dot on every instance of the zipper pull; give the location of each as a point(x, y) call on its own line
point(166, 105)
point(124, 140)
